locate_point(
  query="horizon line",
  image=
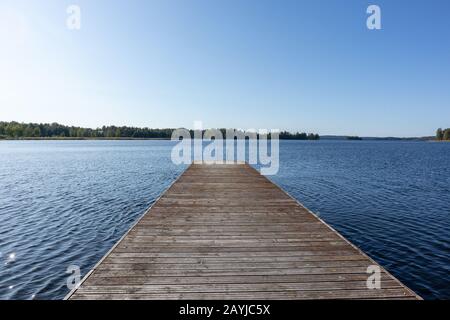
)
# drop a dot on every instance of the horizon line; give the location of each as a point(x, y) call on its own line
point(226, 128)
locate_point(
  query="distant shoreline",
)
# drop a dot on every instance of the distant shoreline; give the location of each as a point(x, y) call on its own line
point(15, 131)
point(74, 138)
point(55, 131)
point(169, 139)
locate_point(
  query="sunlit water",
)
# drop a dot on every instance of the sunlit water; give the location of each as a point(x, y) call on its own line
point(66, 203)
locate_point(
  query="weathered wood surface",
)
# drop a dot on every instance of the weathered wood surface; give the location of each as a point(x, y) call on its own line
point(226, 232)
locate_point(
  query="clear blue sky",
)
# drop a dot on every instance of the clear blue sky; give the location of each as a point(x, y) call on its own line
point(296, 65)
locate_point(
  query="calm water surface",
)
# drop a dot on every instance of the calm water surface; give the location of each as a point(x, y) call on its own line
point(67, 202)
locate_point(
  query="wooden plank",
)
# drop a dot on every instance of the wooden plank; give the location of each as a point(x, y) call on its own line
point(239, 287)
point(226, 232)
point(121, 279)
point(245, 295)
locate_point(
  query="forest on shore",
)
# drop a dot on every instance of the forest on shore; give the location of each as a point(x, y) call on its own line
point(16, 130)
point(443, 134)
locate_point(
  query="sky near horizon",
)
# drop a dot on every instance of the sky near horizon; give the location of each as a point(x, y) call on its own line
point(291, 65)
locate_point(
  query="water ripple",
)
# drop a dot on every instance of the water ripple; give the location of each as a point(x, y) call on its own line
point(391, 199)
point(67, 203)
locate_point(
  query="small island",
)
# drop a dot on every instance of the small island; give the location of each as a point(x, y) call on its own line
point(354, 138)
point(443, 134)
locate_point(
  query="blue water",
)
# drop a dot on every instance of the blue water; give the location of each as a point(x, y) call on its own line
point(67, 202)
point(391, 199)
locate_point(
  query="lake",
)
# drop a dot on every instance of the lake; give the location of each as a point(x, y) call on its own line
point(66, 203)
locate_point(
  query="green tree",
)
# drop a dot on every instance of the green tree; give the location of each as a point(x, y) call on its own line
point(80, 132)
point(439, 134)
point(118, 133)
point(446, 135)
point(28, 132)
point(37, 132)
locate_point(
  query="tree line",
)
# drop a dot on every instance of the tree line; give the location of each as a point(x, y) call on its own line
point(443, 134)
point(285, 135)
point(56, 130)
point(16, 130)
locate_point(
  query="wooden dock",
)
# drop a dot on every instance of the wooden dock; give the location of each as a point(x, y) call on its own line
point(227, 232)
